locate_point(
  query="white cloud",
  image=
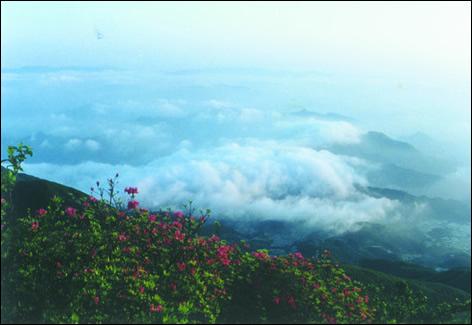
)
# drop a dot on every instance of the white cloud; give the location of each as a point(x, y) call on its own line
point(92, 145)
point(73, 144)
point(267, 181)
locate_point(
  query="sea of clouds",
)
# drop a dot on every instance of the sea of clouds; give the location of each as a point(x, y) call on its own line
point(233, 146)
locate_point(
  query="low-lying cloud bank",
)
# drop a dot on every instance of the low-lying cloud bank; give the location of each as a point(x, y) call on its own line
point(263, 180)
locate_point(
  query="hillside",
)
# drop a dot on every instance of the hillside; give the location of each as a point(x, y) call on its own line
point(390, 285)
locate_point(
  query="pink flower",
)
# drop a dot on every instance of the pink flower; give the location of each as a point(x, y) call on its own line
point(177, 224)
point(179, 236)
point(178, 214)
point(291, 301)
point(262, 256)
point(277, 300)
point(96, 300)
point(71, 212)
point(299, 255)
point(366, 299)
point(152, 218)
point(34, 225)
point(133, 204)
point(346, 292)
point(122, 237)
point(92, 199)
point(214, 238)
point(223, 254)
point(316, 286)
point(173, 286)
point(86, 204)
point(131, 190)
point(141, 290)
point(181, 266)
point(41, 212)
point(156, 309)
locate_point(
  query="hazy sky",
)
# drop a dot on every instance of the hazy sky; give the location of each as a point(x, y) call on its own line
point(375, 37)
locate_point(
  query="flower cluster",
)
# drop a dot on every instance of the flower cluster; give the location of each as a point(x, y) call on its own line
point(131, 190)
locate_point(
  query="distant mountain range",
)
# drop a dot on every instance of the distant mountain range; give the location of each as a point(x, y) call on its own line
point(322, 116)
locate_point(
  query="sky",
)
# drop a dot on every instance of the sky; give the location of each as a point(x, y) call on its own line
point(200, 100)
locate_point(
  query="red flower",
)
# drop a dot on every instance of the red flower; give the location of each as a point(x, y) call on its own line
point(223, 254)
point(214, 238)
point(122, 237)
point(179, 236)
point(141, 290)
point(156, 309)
point(41, 212)
point(131, 190)
point(177, 224)
point(152, 218)
point(96, 300)
point(71, 212)
point(34, 225)
point(366, 299)
point(299, 255)
point(277, 300)
point(133, 204)
point(262, 256)
point(181, 266)
point(291, 301)
point(178, 214)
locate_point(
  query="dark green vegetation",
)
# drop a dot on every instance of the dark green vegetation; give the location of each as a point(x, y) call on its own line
point(141, 266)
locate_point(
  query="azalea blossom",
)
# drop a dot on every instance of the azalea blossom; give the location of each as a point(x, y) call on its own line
point(133, 204)
point(34, 225)
point(71, 212)
point(181, 266)
point(179, 236)
point(156, 309)
point(299, 255)
point(131, 190)
point(178, 214)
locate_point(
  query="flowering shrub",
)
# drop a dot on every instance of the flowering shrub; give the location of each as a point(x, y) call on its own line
point(102, 264)
point(98, 264)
